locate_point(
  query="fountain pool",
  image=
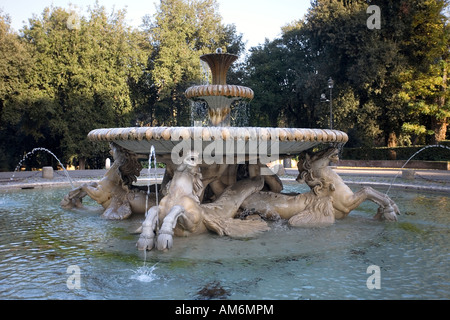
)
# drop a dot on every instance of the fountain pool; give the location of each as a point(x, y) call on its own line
point(39, 242)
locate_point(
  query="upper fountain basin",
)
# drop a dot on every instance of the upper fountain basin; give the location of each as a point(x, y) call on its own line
point(219, 90)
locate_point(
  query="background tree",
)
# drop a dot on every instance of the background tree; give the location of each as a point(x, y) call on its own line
point(426, 80)
point(80, 79)
point(379, 73)
point(266, 77)
point(366, 62)
point(16, 62)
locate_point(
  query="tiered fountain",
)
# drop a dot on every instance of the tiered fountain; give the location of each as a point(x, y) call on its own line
point(219, 96)
point(215, 172)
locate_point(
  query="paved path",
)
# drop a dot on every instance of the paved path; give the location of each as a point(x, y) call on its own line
point(433, 180)
point(437, 175)
point(426, 180)
point(34, 179)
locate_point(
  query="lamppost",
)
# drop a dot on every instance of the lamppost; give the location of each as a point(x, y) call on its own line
point(330, 86)
point(323, 98)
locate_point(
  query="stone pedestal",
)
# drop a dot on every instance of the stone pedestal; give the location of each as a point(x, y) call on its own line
point(47, 172)
point(107, 164)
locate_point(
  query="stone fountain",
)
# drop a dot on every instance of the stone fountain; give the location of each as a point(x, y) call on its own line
point(217, 178)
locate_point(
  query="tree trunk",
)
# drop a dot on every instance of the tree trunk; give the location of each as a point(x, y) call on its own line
point(439, 126)
point(440, 129)
point(392, 142)
point(82, 163)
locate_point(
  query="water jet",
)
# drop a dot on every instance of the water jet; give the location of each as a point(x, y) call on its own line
point(47, 174)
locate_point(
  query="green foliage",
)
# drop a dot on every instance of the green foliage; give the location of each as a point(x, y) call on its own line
point(78, 81)
point(16, 61)
point(80, 78)
point(66, 75)
point(266, 76)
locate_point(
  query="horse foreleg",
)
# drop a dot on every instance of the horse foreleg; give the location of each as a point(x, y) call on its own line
point(165, 237)
point(147, 238)
point(99, 192)
point(387, 208)
point(73, 199)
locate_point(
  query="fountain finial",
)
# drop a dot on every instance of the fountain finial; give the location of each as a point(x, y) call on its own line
point(219, 63)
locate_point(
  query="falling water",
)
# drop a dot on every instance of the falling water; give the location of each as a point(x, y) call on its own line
point(239, 114)
point(48, 151)
point(199, 112)
point(205, 72)
point(152, 156)
point(145, 273)
point(426, 147)
point(340, 147)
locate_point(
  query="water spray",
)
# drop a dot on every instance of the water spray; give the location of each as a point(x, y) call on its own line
point(48, 151)
point(424, 148)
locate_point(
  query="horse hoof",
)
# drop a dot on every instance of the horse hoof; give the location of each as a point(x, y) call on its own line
point(69, 203)
point(390, 216)
point(145, 243)
point(387, 213)
point(66, 203)
point(165, 241)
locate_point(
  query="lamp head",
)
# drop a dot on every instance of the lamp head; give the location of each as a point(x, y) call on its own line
point(330, 83)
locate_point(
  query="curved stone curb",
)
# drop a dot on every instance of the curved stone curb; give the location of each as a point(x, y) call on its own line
point(394, 185)
point(37, 185)
point(402, 186)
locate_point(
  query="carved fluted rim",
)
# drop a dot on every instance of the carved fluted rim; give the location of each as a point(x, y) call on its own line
point(216, 133)
point(227, 90)
point(219, 63)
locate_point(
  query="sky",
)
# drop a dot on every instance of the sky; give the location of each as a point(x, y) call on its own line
point(255, 19)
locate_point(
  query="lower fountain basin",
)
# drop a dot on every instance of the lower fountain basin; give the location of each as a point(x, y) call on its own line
point(39, 241)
